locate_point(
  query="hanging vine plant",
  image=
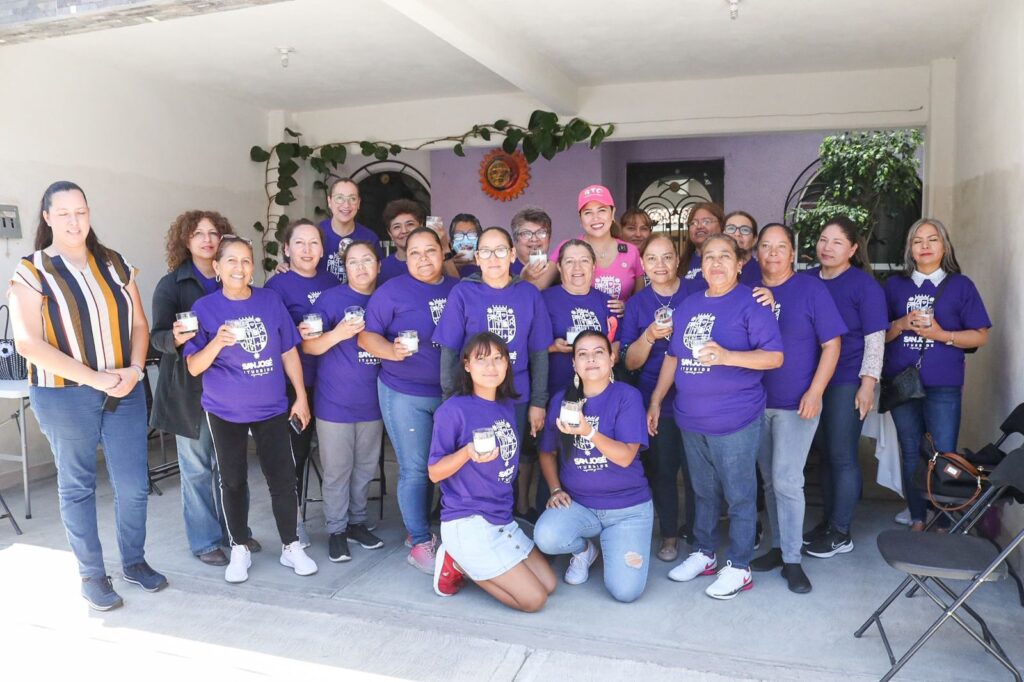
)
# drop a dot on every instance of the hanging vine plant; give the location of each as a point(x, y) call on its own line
point(544, 135)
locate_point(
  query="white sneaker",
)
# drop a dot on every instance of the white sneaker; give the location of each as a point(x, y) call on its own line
point(293, 556)
point(579, 565)
point(698, 563)
point(903, 518)
point(237, 570)
point(731, 581)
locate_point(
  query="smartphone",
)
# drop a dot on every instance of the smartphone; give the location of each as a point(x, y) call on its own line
point(295, 423)
point(111, 403)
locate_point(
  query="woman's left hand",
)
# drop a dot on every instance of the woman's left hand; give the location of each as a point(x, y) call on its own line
point(300, 409)
point(865, 398)
point(933, 332)
point(583, 428)
point(536, 417)
point(713, 354)
point(810, 405)
point(558, 500)
point(764, 296)
point(129, 377)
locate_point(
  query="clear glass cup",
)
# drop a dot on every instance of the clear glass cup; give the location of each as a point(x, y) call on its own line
point(571, 333)
point(315, 324)
point(189, 321)
point(663, 317)
point(698, 346)
point(435, 223)
point(354, 312)
point(571, 413)
point(484, 441)
point(538, 256)
point(238, 328)
point(411, 340)
point(925, 317)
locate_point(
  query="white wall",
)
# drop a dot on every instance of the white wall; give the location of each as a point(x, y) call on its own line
point(143, 151)
point(988, 209)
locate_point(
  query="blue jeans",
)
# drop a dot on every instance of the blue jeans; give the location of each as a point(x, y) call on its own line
point(201, 503)
point(625, 541)
point(837, 441)
point(937, 413)
point(73, 421)
point(725, 466)
point(785, 441)
point(409, 420)
point(667, 458)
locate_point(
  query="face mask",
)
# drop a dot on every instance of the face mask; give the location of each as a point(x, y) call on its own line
point(464, 242)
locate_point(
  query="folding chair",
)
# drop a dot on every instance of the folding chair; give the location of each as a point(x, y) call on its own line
point(8, 514)
point(935, 557)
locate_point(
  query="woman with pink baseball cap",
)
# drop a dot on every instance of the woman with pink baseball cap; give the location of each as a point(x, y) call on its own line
point(618, 271)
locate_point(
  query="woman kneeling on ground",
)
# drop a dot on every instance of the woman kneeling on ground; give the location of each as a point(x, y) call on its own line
point(474, 454)
point(598, 487)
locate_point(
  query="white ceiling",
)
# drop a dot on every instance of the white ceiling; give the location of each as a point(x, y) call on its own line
point(362, 52)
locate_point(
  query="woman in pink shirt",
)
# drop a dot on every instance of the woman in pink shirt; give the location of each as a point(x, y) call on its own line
point(618, 271)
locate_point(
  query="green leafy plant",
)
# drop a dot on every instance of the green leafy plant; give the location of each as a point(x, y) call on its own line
point(863, 175)
point(543, 136)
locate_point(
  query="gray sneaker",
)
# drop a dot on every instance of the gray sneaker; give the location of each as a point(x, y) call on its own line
point(100, 593)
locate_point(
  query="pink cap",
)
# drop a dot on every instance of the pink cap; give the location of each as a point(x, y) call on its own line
point(598, 193)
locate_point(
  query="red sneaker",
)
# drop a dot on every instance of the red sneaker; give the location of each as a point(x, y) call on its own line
point(448, 579)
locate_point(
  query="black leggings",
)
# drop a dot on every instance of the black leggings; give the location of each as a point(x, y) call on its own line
point(273, 448)
point(301, 442)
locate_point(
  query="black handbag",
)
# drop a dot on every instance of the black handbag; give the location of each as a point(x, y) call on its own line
point(906, 385)
point(12, 364)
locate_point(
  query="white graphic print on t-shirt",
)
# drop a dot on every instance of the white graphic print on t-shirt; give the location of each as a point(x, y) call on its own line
point(507, 444)
point(589, 463)
point(607, 284)
point(696, 334)
point(254, 342)
point(918, 302)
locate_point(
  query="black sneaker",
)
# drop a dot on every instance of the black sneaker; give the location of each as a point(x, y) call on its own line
point(361, 534)
point(767, 562)
point(337, 548)
point(796, 579)
point(816, 533)
point(830, 544)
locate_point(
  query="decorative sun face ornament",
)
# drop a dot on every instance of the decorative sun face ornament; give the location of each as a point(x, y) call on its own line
point(503, 176)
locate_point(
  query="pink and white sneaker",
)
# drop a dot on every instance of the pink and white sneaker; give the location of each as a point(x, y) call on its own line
point(698, 563)
point(422, 556)
point(731, 581)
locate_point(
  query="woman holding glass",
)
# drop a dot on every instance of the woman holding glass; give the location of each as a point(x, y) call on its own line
point(810, 327)
point(244, 349)
point(85, 365)
point(474, 455)
point(932, 306)
point(400, 320)
point(722, 343)
point(300, 287)
point(348, 420)
point(589, 457)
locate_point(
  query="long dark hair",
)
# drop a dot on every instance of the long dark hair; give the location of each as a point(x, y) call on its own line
point(44, 233)
point(574, 391)
point(852, 234)
point(481, 344)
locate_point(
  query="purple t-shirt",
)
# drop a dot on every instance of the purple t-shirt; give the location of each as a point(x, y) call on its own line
point(516, 314)
point(346, 380)
point(587, 475)
point(586, 311)
point(210, 284)
point(750, 273)
point(299, 293)
point(516, 269)
point(959, 307)
point(694, 273)
point(246, 381)
point(390, 268)
point(638, 317)
point(861, 302)
point(405, 303)
point(331, 262)
point(807, 317)
point(618, 279)
point(719, 400)
point(476, 489)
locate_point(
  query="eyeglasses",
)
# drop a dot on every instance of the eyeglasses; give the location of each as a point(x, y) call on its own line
point(361, 263)
point(235, 238)
point(486, 254)
point(345, 199)
point(527, 235)
point(705, 222)
point(745, 230)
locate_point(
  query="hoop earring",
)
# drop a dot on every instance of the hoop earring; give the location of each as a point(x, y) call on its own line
point(216, 278)
point(251, 280)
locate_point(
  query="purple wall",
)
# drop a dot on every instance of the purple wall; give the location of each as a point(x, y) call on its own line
point(759, 170)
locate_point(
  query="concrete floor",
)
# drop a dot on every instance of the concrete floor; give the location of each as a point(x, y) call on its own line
point(377, 618)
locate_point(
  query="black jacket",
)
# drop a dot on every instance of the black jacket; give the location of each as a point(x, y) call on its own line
point(176, 407)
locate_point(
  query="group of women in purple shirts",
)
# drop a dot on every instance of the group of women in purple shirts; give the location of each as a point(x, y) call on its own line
point(730, 362)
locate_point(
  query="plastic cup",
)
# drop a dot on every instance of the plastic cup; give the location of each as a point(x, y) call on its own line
point(354, 312)
point(411, 340)
point(315, 324)
point(238, 328)
point(571, 413)
point(484, 441)
point(189, 321)
point(697, 348)
point(571, 333)
point(663, 317)
point(925, 317)
point(537, 256)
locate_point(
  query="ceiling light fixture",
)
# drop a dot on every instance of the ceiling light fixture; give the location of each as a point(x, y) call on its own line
point(284, 52)
point(734, 9)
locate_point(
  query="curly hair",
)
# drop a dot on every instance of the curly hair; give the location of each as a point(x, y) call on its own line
point(181, 231)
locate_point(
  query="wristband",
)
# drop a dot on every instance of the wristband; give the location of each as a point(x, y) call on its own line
point(556, 491)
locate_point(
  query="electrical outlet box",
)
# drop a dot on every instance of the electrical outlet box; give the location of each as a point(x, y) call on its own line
point(10, 224)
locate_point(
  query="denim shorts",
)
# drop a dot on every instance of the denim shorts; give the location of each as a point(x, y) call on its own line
point(482, 549)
